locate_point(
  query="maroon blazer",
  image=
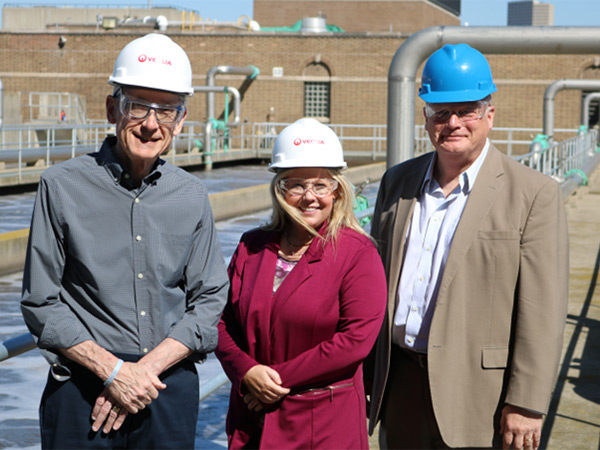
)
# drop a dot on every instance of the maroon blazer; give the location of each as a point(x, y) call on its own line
point(314, 331)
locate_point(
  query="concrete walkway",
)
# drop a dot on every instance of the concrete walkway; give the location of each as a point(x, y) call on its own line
point(574, 418)
point(573, 422)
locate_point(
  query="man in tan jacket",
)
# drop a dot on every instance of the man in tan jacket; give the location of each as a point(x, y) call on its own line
point(475, 248)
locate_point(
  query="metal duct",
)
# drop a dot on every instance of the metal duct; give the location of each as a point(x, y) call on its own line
point(249, 71)
point(492, 40)
point(551, 92)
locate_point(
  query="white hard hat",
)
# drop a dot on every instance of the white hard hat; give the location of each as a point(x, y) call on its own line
point(156, 62)
point(307, 143)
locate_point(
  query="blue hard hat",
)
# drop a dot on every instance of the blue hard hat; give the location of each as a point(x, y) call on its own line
point(454, 74)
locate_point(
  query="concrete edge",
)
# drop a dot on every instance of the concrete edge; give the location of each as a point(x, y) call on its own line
point(225, 205)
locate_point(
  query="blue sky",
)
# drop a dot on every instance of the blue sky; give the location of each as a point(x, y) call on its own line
point(474, 12)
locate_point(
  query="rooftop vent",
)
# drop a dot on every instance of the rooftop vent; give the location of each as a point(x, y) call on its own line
point(313, 25)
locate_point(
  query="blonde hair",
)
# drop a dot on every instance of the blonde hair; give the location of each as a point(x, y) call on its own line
point(342, 212)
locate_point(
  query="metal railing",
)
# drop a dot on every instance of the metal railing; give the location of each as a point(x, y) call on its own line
point(561, 159)
point(55, 106)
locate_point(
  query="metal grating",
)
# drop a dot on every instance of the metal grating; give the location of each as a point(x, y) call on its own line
point(316, 98)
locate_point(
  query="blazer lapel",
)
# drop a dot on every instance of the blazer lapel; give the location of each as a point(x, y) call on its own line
point(488, 184)
point(260, 267)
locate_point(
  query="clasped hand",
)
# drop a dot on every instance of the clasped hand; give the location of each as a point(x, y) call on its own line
point(132, 390)
point(264, 386)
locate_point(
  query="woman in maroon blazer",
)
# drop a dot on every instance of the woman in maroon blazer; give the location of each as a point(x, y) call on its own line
point(306, 303)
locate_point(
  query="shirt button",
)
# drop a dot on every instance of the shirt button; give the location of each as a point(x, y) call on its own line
point(415, 309)
point(137, 200)
point(428, 249)
point(138, 238)
point(126, 176)
point(142, 313)
point(420, 278)
point(410, 340)
point(140, 275)
point(145, 350)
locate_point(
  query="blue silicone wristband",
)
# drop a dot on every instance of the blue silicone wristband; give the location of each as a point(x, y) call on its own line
point(114, 373)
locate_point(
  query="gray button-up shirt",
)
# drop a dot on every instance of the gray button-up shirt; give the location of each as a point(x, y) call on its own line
point(123, 266)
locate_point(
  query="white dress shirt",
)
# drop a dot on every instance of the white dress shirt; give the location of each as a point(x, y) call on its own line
point(428, 239)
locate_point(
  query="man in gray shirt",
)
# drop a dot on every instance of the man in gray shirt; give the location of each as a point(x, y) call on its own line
point(124, 281)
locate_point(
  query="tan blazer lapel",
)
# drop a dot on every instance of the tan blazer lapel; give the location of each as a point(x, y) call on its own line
point(487, 186)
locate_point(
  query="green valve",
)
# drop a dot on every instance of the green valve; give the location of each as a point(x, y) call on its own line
point(360, 204)
point(581, 173)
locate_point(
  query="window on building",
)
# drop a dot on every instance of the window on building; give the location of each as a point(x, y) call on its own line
point(317, 90)
point(316, 98)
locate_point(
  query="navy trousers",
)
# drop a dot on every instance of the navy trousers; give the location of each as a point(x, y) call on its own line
point(168, 422)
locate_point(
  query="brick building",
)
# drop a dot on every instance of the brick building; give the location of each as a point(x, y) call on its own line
point(340, 77)
point(405, 16)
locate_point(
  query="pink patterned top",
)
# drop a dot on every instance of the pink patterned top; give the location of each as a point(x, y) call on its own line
point(282, 269)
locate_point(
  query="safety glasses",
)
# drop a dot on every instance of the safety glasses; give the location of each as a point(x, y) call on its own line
point(135, 109)
point(469, 113)
point(297, 187)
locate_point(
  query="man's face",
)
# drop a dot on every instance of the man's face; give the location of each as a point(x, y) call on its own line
point(459, 129)
point(141, 141)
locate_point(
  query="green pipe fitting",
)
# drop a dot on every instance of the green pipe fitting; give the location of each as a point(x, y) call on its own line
point(581, 173)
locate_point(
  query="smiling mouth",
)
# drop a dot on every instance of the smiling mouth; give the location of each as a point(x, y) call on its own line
point(145, 140)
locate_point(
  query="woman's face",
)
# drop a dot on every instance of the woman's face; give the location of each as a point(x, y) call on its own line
point(299, 192)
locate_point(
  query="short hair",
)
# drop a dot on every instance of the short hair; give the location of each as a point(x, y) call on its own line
point(342, 214)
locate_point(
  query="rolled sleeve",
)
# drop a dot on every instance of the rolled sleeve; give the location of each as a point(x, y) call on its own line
point(52, 323)
point(207, 286)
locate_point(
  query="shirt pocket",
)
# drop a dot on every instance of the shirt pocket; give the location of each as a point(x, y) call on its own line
point(173, 254)
point(494, 357)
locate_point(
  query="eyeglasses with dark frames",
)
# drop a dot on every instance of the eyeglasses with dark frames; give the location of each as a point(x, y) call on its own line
point(136, 109)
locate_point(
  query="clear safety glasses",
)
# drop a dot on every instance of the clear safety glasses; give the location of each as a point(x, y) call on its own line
point(469, 113)
point(297, 187)
point(135, 109)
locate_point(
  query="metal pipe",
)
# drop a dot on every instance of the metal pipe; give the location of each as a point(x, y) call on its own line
point(1, 103)
point(495, 40)
point(585, 113)
point(551, 92)
point(207, 150)
point(249, 71)
point(236, 100)
point(16, 346)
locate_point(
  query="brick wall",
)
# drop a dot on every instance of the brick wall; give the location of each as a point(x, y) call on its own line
point(358, 64)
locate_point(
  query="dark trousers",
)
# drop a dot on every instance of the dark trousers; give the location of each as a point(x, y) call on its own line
point(407, 418)
point(168, 422)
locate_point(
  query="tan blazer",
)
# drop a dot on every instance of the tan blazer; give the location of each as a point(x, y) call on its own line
point(497, 329)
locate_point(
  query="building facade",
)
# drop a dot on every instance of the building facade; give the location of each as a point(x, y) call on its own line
point(530, 12)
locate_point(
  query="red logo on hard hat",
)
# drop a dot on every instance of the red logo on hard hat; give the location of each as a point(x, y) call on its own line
point(143, 58)
point(299, 141)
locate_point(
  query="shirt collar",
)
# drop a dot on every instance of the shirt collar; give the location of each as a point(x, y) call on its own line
point(107, 156)
point(466, 179)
